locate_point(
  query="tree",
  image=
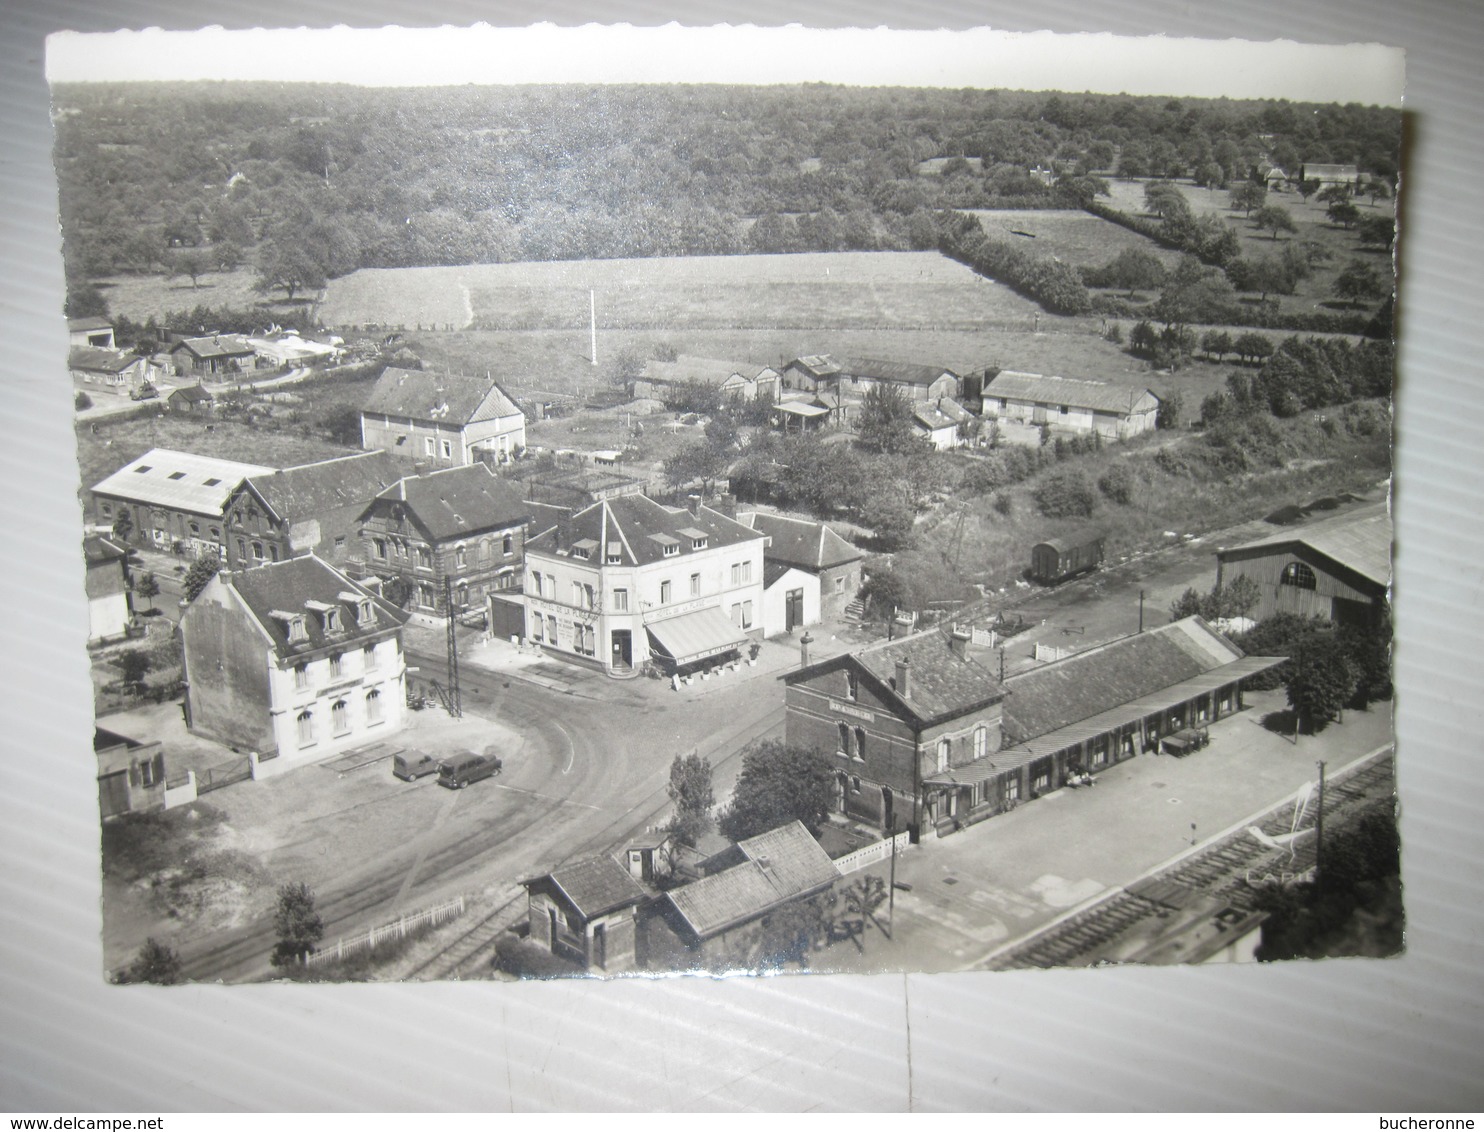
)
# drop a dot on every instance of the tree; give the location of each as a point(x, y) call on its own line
point(779, 783)
point(193, 262)
point(1344, 213)
point(290, 268)
point(1211, 176)
point(1134, 268)
point(84, 300)
point(1165, 200)
point(155, 963)
point(1170, 409)
point(1377, 189)
point(885, 591)
point(1320, 679)
point(147, 586)
point(885, 422)
point(1249, 196)
point(1359, 280)
point(1308, 188)
point(1216, 344)
point(690, 790)
point(123, 526)
point(1066, 493)
point(298, 925)
point(1275, 219)
point(199, 576)
point(892, 518)
point(1252, 346)
point(82, 401)
point(1377, 231)
point(701, 461)
point(1334, 194)
point(133, 666)
point(1118, 483)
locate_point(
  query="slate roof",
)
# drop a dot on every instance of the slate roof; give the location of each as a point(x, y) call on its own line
point(803, 542)
point(458, 501)
point(816, 365)
point(77, 325)
point(942, 685)
point(638, 528)
point(191, 393)
point(902, 373)
point(99, 359)
point(942, 413)
point(1101, 396)
point(783, 864)
point(288, 585)
point(182, 480)
point(423, 395)
point(1359, 541)
point(310, 490)
point(594, 885)
point(215, 346)
point(1108, 676)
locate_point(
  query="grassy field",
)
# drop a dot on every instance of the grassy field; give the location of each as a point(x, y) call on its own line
point(1314, 293)
point(106, 446)
point(140, 296)
point(1079, 238)
point(855, 290)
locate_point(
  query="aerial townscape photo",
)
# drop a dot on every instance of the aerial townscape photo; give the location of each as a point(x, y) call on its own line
point(595, 529)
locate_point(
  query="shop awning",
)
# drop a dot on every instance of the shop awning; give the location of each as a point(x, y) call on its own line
point(695, 636)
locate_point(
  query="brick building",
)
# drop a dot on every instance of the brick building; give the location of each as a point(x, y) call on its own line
point(308, 508)
point(584, 912)
point(894, 714)
point(465, 524)
point(814, 548)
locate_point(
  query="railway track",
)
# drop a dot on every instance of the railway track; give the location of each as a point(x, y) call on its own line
point(466, 954)
point(1219, 870)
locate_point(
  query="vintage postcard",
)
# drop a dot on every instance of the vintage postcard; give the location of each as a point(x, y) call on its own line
point(610, 501)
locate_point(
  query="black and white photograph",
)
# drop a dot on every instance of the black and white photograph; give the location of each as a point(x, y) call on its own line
point(546, 520)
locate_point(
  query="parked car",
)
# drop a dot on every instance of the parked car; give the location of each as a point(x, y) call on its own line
point(144, 392)
point(410, 765)
point(456, 773)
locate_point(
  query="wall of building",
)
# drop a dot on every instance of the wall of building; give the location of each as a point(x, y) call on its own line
point(227, 662)
point(775, 601)
point(1267, 571)
point(161, 528)
point(838, 586)
point(390, 549)
point(381, 671)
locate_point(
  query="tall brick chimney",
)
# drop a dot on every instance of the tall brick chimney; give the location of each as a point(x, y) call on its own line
point(904, 678)
point(693, 504)
point(958, 642)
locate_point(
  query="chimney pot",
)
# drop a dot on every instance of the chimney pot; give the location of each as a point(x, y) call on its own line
point(693, 503)
point(804, 642)
point(958, 642)
point(904, 678)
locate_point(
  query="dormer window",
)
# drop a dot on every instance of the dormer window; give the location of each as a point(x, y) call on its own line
point(365, 611)
point(293, 625)
point(669, 544)
point(615, 557)
point(329, 615)
point(583, 548)
point(332, 621)
point(698, 538)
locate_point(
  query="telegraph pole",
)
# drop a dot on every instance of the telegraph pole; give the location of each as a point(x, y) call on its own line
point(1141, 611)
point(455, 706)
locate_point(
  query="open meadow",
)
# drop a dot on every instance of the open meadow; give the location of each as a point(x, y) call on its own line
point(839, 290)
point(138, 297)
point(1076, 237)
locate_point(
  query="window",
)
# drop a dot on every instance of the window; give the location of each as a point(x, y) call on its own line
point(844, 738)
point(1298, 575)
point(257, 551)
point(216, 534)
point(747, 615)
point(698, 544)
point(860, 742)
point(378, 548)
point(196, 529)
point(332, 621)
point(463, 593)
point(507, 546)
point(297, 631)
point(620, 601)
point(106, 509)
point(176, 476)
point(373, 706)
point(339, 718)
point(551, 628)
point(301, 676)
point(337, 664)
point(840, 584)
point(339, 546)
point(1012, 789)
point(1042, 781)
point(241, 548)
point(459, 557)
point(672, 549)
point(981, 741)
point(273, 551)
point(852, 686)
point(695, 585)
point(855, 784)
point(211, 481)
point(368, 658)
point(614, 556)
point(306, 728)
point(577, 593)
point(1064, 410)
point(424, 558)
point(665, 592)
point(147, 772)
point(139, 471)
point(736, 573)
point(536, 582)
point(447, 449)
point(427, 446)
point(536, 622)
point(943, 749)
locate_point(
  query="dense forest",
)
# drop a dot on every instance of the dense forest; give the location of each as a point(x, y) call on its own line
point(309, 181)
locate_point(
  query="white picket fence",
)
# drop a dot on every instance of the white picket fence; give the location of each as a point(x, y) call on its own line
point(870, 854)
point(397, 929)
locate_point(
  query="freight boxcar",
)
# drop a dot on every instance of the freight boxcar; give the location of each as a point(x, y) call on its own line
point(1056, 560)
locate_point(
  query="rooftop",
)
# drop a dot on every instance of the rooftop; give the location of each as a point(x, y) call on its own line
point(1359, 540)
point(1103, 678)
point(689, 367)
point(181, 480)
point(1103, 396)
point(424, 395)
point(634, 530)
point(215, 346)
point(276, 592)
point(802, 542)
point(905, 373)
point(458, 501)
point(100, 359)
point(596, 885)
point(310, 490)
point(782, 864)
